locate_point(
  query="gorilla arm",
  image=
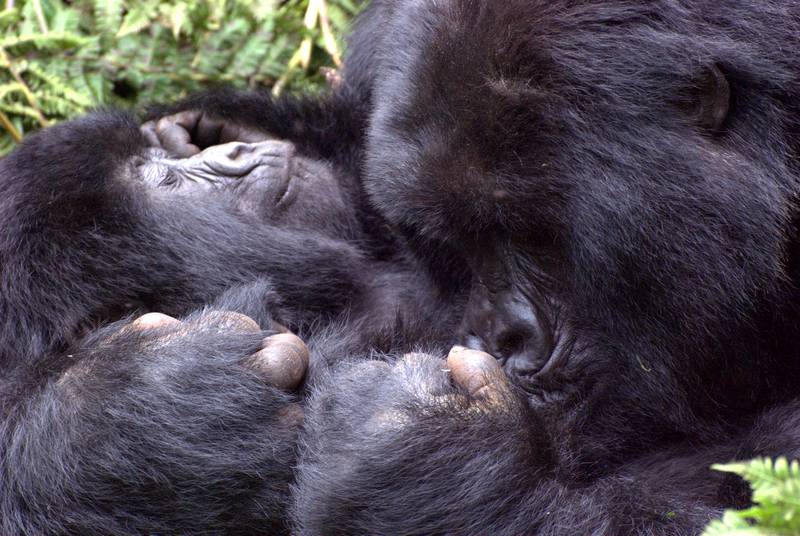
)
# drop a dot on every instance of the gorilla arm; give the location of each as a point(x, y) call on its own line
point(157, 426)
point(402, 450)
point(180, 428)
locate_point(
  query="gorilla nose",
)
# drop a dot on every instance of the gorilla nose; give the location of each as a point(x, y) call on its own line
point(510, 327)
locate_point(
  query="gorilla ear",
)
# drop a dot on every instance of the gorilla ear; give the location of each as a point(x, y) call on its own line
point(714, 99)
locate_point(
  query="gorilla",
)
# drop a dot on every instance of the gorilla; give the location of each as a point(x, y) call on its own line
point(594, 201)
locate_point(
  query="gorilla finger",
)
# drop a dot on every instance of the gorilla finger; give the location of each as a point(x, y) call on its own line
point(154, 320)
point(282, 361)
point(149, 132)
point(231, 321)
point(233, 132)
point(476, 371)
point(188, 119)
point(176, 140)
point(208, 131)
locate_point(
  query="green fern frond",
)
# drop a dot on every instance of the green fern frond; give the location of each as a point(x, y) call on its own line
point(59, 58)
point(9, 88)
point(59, 86)
point(108, 17)
point(44, 42)
point(12, 108)
point(136, 19)
point(776, 500)
point(8, 17)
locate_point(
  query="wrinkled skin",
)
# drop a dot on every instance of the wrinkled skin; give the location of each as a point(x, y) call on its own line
point(266, 180)
point(601, 195)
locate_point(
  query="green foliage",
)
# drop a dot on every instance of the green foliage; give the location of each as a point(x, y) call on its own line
point(776, 498)
point(59, 58)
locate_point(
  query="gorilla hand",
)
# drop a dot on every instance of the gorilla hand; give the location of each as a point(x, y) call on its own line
point(186, 133)
point(159, 421)
point(404, 450)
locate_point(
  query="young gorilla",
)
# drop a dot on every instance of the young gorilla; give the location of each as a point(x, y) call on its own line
point(155, 424)
point(613, 187)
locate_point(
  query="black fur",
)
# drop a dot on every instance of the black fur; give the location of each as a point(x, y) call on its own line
point(559, 145)
point(112, 431)
point(553, 145)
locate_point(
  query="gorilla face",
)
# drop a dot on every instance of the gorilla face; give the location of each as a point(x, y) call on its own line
point(605, 198)
point(266, 179)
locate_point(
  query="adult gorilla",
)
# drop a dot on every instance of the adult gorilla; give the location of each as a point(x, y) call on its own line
point(621, 178)
point(610, 186)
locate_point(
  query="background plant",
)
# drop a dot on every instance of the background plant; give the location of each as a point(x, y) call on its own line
point(59, 58)
point(776, 500)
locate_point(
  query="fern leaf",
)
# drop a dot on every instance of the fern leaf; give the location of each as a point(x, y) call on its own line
point(65, 21)
point(108, 17)
point(137, 19)
point(60, 86)
point(776, 498)
point(40, 41)
point(19, 109)
point(178, 18)
point(8, 17)
point(9, 88)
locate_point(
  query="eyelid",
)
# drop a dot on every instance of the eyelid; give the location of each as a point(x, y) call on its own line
point(170, 178)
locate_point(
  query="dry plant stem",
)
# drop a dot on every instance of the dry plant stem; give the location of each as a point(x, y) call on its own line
point(37, 8)
point(29, 96)
point(302, 57)
point(327, 34)
point(10, 128)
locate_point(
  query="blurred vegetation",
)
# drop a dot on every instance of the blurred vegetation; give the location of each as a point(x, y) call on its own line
point(776, 500)
point(59, 58)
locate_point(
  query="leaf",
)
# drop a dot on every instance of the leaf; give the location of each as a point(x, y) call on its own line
point(108, 17)
point(776, 500)
point(130, 52)
point(8, 17)
point(11, 87)
point(178, 19)
point(40, 41)
point(135, 20)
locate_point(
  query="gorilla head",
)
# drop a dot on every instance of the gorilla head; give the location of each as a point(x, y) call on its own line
point(622, 194)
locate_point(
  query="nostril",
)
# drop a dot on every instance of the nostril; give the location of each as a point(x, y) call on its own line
point(523, 351)
point(509, 343)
